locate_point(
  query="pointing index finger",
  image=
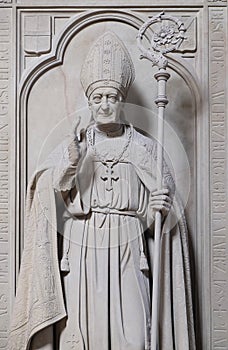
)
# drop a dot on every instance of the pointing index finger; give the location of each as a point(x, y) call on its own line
point(75, 125)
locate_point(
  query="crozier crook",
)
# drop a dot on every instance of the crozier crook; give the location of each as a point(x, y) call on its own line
point(167, 39)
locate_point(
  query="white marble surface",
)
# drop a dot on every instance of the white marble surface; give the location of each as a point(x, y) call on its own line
point(196, 113)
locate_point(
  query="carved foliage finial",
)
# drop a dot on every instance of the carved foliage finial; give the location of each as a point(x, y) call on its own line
point(168, 34)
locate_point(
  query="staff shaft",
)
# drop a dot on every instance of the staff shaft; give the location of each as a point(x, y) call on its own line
point(162, 76)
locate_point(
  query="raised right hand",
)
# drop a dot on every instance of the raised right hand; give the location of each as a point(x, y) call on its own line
point(76, 147)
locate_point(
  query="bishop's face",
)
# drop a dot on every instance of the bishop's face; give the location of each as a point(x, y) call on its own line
point(105, 105)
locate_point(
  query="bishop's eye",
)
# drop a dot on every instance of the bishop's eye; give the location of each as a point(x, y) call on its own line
point(112, 98)
point(97, 98)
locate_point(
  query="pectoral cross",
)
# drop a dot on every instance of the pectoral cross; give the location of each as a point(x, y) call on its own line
point(109, 176)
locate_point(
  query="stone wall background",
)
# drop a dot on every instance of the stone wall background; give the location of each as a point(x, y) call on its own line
point(42, 46)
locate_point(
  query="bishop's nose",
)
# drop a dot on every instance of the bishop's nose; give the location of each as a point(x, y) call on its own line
point(104, 104)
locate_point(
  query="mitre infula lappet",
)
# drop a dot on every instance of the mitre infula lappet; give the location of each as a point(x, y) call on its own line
point(108, 64)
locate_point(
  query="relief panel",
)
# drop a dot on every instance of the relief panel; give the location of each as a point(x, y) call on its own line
point(38, 33)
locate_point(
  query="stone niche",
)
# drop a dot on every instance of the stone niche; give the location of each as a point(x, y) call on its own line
point(42, 47)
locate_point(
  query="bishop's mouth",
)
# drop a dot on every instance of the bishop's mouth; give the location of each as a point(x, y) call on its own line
point(104, 115)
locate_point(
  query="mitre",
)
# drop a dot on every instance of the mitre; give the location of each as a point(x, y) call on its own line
point(108, 64)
